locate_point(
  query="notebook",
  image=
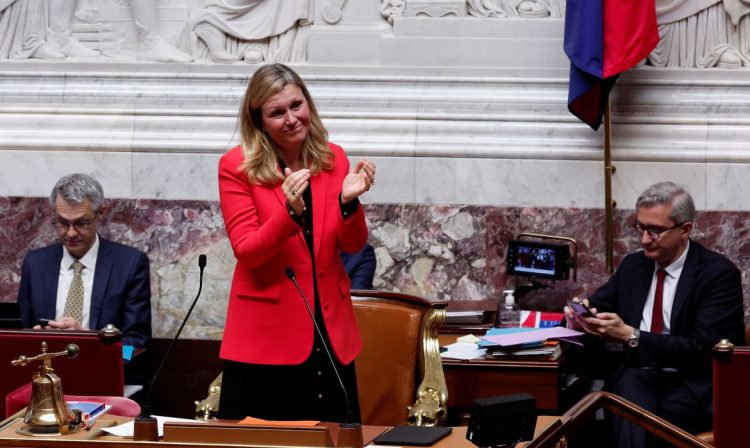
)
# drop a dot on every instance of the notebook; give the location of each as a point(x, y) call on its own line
point(412, 435)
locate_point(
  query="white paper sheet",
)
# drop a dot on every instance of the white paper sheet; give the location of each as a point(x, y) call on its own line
point(126, 429)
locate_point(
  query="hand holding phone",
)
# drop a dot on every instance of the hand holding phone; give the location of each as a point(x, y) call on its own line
point(580, 308)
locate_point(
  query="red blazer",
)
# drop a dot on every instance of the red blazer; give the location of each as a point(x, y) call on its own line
point(267, 321)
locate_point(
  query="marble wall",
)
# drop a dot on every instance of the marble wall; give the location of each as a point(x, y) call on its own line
point(442, 252)
point(462, 104)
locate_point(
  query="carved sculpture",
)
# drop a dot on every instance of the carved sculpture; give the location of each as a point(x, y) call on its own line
point(702, 33)
point(208, 408)
point(34, 29)
point(61, 16)
point(333, 11)
point(251, 30)
point(40, 29)
point(392, 8)
point(152, 46)
point(21, 31)
point(436, 8)
point(516, 8)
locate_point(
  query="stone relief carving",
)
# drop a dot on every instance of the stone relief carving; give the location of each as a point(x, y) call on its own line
point(475, 8)
point(391, 9)
point(152, 45)
point(333, 11)
point(39, 29)
point(59, 31)
point(693, 33)
point(516, 8)
point(34, 29)
point(436, 8)
point(702, 33)
point(250, 30)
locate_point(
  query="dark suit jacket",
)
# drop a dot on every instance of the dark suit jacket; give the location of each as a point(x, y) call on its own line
point(360, 266)
point(121, 291)
point(708, 307)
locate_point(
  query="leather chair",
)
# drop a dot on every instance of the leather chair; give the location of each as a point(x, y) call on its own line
point(19, 399)
point(399, 372)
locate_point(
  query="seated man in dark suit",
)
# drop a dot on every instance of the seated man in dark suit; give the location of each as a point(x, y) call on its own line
point(85, 282)
point(664, 309)
point(361, 267)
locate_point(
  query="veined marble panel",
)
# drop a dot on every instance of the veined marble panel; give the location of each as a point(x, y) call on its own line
point(442, 252)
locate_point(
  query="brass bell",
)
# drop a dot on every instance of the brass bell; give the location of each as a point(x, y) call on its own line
point(48, 413)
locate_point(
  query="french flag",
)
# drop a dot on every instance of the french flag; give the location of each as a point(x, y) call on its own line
point(540, 319)
point(603, 38)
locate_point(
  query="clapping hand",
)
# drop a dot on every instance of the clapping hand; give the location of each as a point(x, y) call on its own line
point(358, 181)
point(294, 185)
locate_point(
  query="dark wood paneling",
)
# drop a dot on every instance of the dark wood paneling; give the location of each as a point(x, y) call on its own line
point(185, 377)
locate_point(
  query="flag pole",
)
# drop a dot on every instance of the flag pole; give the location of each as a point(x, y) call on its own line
point(609, 204)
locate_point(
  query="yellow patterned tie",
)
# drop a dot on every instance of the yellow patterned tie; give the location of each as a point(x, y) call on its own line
point(74, 303)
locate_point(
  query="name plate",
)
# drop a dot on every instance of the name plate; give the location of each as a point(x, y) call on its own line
point(232, 433)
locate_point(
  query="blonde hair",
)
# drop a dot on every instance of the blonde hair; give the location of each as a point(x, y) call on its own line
point(260, 156)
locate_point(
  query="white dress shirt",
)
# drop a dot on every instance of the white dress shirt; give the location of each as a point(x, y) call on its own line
point(674, 271)
point(66, 278)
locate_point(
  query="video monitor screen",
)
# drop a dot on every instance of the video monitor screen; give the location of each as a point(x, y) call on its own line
point(537, 259)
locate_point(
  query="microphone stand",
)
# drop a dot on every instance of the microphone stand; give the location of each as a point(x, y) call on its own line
point(350, 433)
point(145, 427)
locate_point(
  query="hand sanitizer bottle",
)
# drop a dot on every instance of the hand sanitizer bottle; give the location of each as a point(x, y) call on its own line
point(510, 316)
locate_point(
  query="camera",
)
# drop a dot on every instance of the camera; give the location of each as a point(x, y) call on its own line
point(538, 259)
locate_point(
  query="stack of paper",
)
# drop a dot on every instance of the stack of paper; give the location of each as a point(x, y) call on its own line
point(466, 347)
point(503, 342)
point(548, 348)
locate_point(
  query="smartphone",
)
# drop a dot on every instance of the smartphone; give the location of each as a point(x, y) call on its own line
point(44, 322)
point(580, 309)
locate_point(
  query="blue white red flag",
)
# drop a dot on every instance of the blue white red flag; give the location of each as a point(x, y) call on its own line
point(603, 38)
point(540, 319)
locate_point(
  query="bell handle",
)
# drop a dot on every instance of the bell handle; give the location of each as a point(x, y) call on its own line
point(71, 351)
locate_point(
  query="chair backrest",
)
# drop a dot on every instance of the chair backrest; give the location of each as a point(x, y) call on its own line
point(399, 373)
point(731, 400)
point(98, 369)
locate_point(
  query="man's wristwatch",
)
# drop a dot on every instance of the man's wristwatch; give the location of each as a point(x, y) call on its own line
point(634, 338)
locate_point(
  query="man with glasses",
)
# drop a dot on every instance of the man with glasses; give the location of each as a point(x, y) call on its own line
point(85, 281)
point(661, 313)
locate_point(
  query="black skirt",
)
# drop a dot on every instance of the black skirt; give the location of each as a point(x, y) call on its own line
point(308, 391)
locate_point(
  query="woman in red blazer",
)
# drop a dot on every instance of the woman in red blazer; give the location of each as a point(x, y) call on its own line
point(289, 200)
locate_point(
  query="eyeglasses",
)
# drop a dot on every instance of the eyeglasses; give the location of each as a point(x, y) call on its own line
point(654, 232)
point(79, 225)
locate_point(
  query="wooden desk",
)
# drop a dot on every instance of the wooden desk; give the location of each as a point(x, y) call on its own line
point(552, 382)
point(457, 439)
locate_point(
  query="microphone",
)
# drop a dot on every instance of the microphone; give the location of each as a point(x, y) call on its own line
point(349, 415)
point(147, 423)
